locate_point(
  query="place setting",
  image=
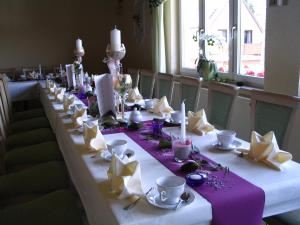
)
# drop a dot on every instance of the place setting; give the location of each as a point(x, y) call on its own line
point(226, 141)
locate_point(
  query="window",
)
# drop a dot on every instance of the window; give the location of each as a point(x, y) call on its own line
point(238, 28)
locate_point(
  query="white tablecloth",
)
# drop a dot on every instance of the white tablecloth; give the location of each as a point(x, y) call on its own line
point(282, 189)
point(23, 90)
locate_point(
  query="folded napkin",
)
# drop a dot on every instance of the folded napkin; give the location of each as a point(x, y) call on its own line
point(79, 115)
point(134, 95)
point(265, 149)
point(161, 106)
point(198, 124)
point(49, 84)
point(53, 89)
point(59, 94)
point(125, 177)
point(68, 100)
point(98, 142)
point(33, 75)
point(90, 130)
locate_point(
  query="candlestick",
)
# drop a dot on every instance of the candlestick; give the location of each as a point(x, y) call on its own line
point(183, 122)
point(115, 40)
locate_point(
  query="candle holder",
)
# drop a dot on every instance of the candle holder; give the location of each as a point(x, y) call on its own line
point(78, 68)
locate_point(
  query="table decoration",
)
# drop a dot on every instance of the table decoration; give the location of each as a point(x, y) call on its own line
point(125, 178)
point(198, 124)
point(265, 149)
point(161, 106)
point(59, 94)
point(77, 64)
point(70, 76)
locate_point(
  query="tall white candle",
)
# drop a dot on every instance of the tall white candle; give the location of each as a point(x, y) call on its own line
point(40, 69)
point(183, 121)
point(115, 40)
point(79, 44)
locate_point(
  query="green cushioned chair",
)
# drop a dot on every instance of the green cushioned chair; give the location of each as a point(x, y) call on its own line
point(42, 178)
point(147, 80)
point(164, 86)
point(289, 218)
point(273, 112)
point(56, 208)
point(190, 89)
point(32, 154)
point(29, 138)
point(29, 124)
point(220, 101)
point(29, 114)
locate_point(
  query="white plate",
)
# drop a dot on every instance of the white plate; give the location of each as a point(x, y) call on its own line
point(153, 199)
point(235, 144)
point(106, 155)
point(130, 104)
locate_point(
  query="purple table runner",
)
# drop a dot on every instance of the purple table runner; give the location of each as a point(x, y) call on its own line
point(238, 202)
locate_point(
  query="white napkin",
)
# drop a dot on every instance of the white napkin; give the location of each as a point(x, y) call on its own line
point(68, 100)
point(59, 94)
point(161, 106)
point(53, 89)
point(265, 149)
point(33, 75)
point(105, 93)
point(125, 177)
point(98, 143)
point(90, 130)
point(134, 95)
point(79, 115)
point(198, 124)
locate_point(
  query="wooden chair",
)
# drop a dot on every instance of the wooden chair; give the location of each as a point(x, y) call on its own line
point(164, 85)
point(273, 112)
point(134, 73)
point(10, 72)
point(190, 88)
point(147, 80)
point(27, 70)
point(220, 101)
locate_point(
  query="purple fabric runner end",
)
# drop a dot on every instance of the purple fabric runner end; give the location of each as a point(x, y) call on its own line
point(238, 202)
point(82, 97)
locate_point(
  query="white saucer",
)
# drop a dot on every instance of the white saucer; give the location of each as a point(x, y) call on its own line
point(235, 144)
point(130, 104)
point(106, 155)
point(153, 199)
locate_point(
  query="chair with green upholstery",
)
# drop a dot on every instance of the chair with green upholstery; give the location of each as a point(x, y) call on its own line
point(190, 88)
point(273, 112)
point(56, 208)
point(23, 157)
point(5, 95)
point(134, 73)
point(164, 86)
point(40, 179)
point(220, 101)
point(289, 218)
point(147, 80)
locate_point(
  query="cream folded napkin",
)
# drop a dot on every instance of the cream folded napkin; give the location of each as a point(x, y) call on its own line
point(79, 115)
point(134, 95)
point(161, 106)
point(53, 89)
point(59, 94)
point(90, 130)
point(125, 177)
point(98, 143)
point(49, 84)
point(198, 124)
point(33, 75)
point(68, 100)
point(265, 149)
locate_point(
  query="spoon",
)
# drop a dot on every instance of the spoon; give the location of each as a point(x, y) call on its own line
point(184, 197)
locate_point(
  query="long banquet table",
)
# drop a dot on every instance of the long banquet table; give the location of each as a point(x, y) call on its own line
point(89, 175)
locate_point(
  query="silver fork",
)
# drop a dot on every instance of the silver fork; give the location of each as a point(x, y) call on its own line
point(132, 204)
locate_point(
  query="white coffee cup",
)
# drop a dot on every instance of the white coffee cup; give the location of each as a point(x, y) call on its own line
point(170, 188)
point(176, 116)
point(226, 137)
point(149, 103)
point(117, 147)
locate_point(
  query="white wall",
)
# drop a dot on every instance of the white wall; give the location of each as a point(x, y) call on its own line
point(283, 48)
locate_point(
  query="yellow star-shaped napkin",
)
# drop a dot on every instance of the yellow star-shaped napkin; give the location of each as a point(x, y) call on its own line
point(161, 106)
point(198, 124)
point(134, 95)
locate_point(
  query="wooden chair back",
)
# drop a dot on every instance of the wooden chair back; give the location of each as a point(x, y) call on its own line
point(4, 103)
point(190, 88)
point(134, 73)
point(147, 80)
point(221, 98)
point(273, 112)
point(10, 72)
point(7, 96)
point(165, 85)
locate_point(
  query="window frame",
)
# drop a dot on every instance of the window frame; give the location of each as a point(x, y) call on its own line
point(234, 41)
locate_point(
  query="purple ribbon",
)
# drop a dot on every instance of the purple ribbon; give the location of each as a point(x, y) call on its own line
point(237, 202)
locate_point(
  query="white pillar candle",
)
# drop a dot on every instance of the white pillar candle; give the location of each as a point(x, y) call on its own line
point(115, 40)
point(40, 69)
point(183, 121)
point(79, 44)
